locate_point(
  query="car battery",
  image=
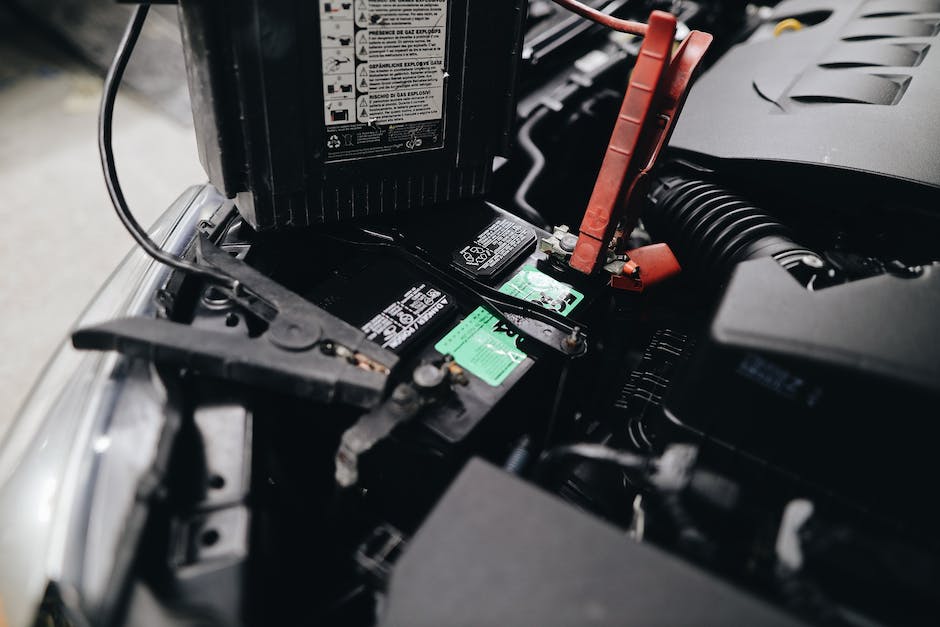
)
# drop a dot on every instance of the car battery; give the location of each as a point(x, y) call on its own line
point(426, 309)
point(415, 285)
point(419, 309)
point(313, 111)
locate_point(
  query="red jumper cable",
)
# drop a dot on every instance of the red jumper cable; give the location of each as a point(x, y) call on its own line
point(655, 94)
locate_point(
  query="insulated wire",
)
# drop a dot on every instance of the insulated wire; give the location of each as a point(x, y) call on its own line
point(486, 296)
point(560, 390)
point(112, 82)
point(623, 26)
point(538, 164)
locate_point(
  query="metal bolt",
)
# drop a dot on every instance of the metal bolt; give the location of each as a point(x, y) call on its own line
point(428, 376)
point(573, 342)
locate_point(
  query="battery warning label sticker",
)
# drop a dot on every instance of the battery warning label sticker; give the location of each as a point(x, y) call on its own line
point(396, 325)
point(498, 245)
point(485, 346)
point(383, 75)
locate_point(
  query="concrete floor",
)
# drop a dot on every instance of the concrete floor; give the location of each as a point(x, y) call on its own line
point(60, 238)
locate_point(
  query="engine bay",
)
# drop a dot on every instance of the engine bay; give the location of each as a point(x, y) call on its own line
point(746, 442)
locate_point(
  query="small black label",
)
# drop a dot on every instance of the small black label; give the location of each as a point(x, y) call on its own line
point(500, 244)
point(396, 326)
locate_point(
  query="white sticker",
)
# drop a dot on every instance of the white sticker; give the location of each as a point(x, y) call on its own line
point(384, 65)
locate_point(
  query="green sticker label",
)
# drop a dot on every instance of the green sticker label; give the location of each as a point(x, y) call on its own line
point(478, 346)
point(483, 345)
point(532, 285)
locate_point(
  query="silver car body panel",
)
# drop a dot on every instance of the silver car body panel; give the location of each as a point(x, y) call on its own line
point(72, 461)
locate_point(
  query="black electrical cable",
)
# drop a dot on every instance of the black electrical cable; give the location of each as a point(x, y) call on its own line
point(490, 298)
point(538, 164)
point(112, 82)
point(560, 390)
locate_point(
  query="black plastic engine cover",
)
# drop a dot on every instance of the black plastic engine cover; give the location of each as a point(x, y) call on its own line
point(838, 386)
point(855, 91)
point(497, 551)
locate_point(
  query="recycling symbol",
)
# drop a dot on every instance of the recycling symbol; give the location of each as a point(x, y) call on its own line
point(475, 255)
point(333, 141)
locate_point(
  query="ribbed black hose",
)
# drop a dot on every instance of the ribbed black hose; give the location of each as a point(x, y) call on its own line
point(710, 229)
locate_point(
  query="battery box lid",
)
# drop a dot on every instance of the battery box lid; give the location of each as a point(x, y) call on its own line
point(311, 112)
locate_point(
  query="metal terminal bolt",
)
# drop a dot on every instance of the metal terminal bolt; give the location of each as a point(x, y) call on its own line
point(573, 343)
point(429, 376)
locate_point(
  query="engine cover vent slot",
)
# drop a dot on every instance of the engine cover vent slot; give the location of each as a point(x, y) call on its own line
point(874, 54)
point(838, 86)
point(892, 8)
point(889, 27)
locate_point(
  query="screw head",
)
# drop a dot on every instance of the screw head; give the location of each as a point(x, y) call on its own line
point(573, 343)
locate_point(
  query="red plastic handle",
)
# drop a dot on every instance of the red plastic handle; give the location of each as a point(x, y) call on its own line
point(655, 95)
point(599, 220)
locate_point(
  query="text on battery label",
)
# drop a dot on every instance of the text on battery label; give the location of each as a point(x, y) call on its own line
point(404, 317)
point(499, 240)
point(383, 63)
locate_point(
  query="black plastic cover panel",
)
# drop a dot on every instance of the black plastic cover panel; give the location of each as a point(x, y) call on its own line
point(821, 383)
point(884, 325)
point(856, 89)
point(499, 552)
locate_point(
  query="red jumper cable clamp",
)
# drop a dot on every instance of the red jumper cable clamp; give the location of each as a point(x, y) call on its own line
point(655, 94)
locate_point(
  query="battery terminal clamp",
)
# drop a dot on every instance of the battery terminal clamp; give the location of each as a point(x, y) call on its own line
point(431, 383)
point(654, 98)
point(305, 351)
